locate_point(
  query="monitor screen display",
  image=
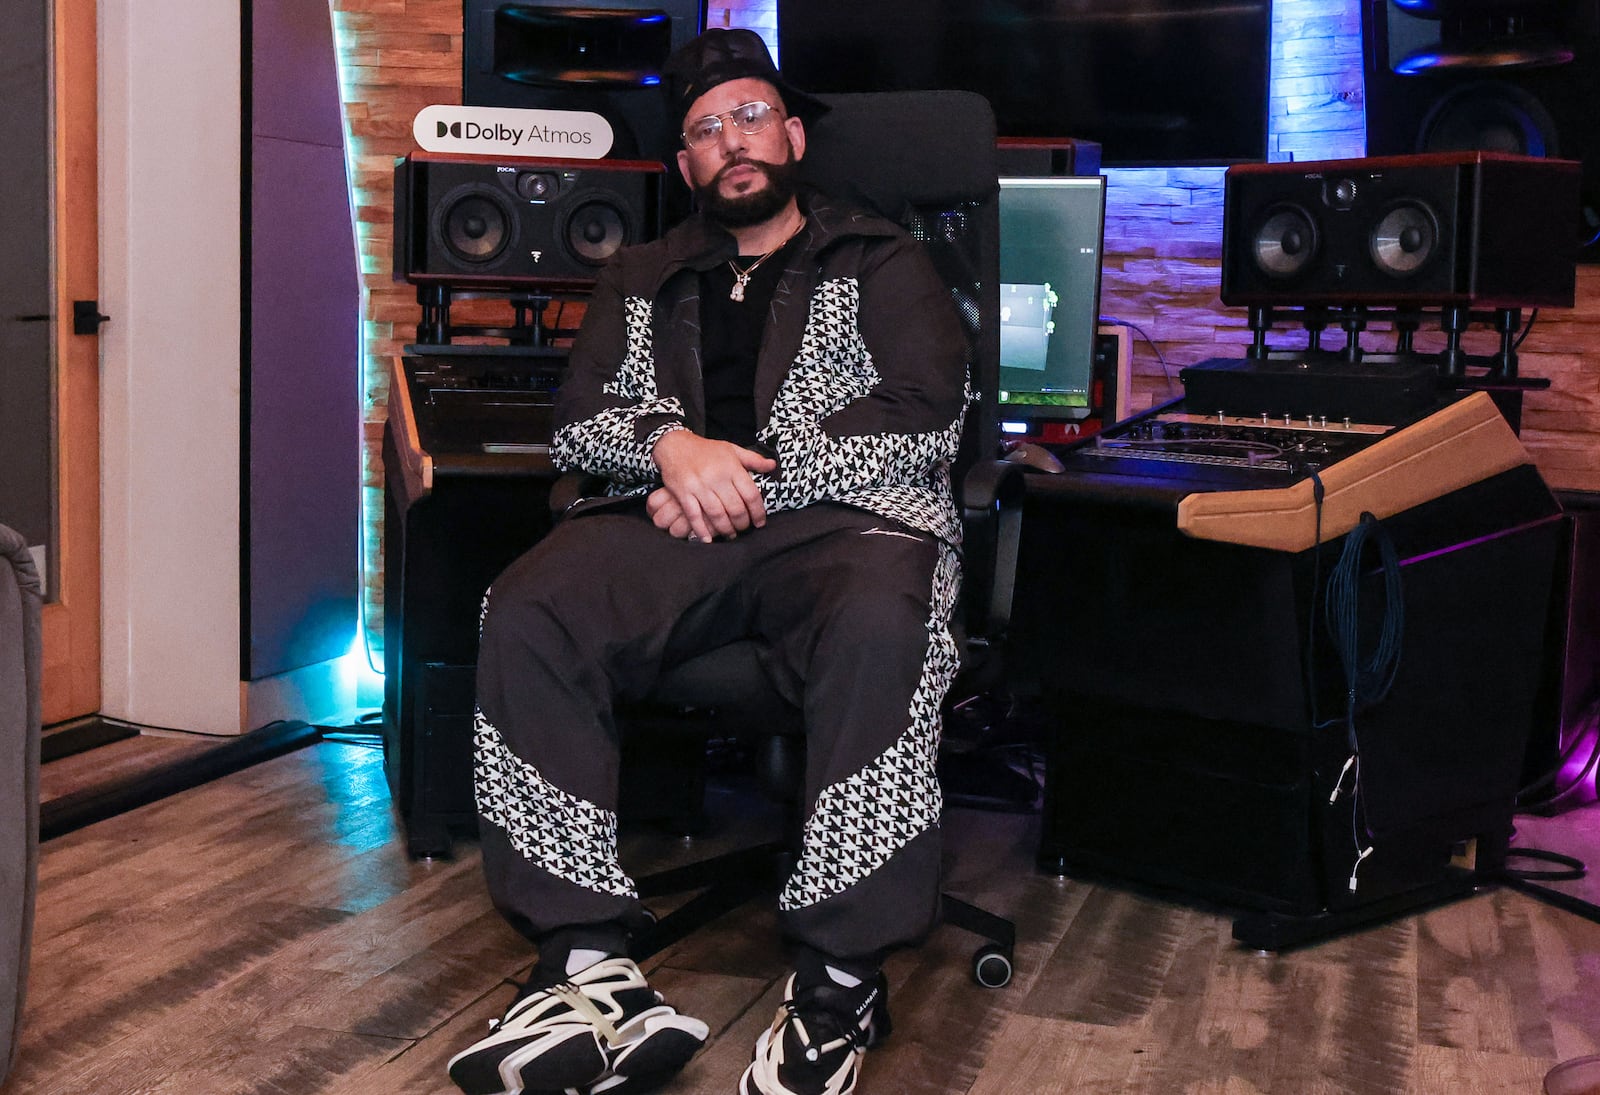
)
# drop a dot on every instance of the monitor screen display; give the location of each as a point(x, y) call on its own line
point(1051, 230)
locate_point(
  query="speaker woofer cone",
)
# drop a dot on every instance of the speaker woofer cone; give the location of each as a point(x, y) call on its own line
point(595, 230)
point(1489, 117)
point(1405, 239)
point(1286, 242)
point(476, 225)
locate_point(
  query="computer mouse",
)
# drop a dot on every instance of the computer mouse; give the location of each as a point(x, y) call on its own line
point(1035, 456)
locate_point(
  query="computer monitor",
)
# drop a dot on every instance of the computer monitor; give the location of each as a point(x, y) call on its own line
point(1051, 231)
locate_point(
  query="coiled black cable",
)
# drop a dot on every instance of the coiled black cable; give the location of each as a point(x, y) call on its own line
point(1367, 681)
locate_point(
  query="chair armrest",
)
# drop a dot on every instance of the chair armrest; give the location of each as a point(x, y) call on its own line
point(989, 484)
point(991, 495)
point(14, 550)
point(573, 487)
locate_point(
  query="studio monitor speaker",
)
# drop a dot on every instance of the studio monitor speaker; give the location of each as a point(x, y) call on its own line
point(1031, 157)
point(470, 223)
point(1465, 228)
point(1518, 76)
point(603, 56)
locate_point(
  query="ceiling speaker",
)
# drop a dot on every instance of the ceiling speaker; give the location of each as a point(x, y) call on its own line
point(1518, 76)
point(537, 224)
point(1472, 228)
point(603, 56)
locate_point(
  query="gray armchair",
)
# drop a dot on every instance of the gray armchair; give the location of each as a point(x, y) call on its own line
point(20, 666)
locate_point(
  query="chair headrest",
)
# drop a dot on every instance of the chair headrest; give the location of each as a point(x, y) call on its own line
point(891, 149)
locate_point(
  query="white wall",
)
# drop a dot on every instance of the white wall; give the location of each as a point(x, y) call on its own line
point(170, 270)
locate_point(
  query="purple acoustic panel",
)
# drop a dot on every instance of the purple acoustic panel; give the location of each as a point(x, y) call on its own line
point(294, 74)
point(302, 419)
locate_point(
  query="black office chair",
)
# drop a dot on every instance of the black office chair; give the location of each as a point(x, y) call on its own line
point(927, 161)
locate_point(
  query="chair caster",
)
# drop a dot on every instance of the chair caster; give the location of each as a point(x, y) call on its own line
point(991, 966)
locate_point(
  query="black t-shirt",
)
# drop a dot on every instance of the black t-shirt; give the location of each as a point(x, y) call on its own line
point(730, 340)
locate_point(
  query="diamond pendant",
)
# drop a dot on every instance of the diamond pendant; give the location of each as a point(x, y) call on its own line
point(736, 294)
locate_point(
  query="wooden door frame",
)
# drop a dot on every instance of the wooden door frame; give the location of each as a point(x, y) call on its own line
point(72, 619)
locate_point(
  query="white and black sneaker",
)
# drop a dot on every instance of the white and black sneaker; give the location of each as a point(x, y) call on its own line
point(817, 1040)
point(601, 1030)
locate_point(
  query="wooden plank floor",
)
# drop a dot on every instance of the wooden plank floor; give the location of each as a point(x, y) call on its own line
point(266, 933)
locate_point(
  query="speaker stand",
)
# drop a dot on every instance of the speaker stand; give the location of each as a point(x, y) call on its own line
point(1499, 376)
point(528, 326)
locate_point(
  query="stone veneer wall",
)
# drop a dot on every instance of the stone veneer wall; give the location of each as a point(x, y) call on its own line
point(1163, 231)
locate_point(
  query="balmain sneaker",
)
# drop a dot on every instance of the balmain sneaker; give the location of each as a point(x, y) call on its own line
point(601, 1030)
point(815, 1043)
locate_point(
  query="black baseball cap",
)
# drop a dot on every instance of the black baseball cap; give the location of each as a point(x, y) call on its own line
point(723, 54)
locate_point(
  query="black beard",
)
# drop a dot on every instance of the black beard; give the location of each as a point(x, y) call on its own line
point(758, 206)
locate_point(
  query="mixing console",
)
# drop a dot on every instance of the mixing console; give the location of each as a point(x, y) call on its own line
point(1295, 446)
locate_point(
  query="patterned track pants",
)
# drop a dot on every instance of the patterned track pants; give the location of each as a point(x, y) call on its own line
point(854, 610)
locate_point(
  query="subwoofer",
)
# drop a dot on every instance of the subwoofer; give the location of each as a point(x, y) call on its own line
point(513, 224)
point(603, 56)
point(1518, 76)
point(1464, 228)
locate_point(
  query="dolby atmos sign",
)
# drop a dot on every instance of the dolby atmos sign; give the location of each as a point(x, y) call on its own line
point(503, 131)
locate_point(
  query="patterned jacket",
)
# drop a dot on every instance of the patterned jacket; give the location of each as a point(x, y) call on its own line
point(860, 384)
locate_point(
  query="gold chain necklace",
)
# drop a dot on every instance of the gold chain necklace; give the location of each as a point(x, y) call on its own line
point(741, 278)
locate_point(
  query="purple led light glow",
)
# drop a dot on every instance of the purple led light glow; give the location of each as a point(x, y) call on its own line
point(1475, 541)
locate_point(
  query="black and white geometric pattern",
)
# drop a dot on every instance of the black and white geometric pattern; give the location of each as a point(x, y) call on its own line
point(565, 835)
point(858, 823)
point(902, 476)
point(605, 444)
point(636, 378)
point(833, 366)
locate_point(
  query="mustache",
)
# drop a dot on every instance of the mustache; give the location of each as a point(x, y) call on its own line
point(745, 161)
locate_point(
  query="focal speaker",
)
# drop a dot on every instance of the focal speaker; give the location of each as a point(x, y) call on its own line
point(1047, 156)
point(603, 56)
point(551, 224)
point(1517, 76)
point(1463, 228)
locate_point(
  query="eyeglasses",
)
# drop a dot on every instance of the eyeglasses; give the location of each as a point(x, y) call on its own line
point(747, 118)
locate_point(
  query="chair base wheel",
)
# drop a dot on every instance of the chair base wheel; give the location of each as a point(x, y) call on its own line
point(991, 966)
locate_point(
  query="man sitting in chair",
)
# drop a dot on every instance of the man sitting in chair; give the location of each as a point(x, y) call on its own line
point(775, 392)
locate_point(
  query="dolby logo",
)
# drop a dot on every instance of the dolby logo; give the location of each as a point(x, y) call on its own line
point(503, 131)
